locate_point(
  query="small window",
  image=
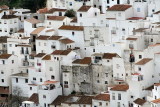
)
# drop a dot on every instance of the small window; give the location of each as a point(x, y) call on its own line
point(119, 96)
point(52, 77)
point(16, 80)
point(34, 78)
point(26, 80)
point(12, 61)
point(98, 81)
point(41, 80)
point(50, 68)
point(72, 33)
point(44, 96)
point(151, 40)
point(100, 103)
point(106, 82)
point(140, 56)
point(138, 10)
point(65, 82)
point(2, 80)
point(139, 68)
point(80, 14)
point(93, 50)
point(30, 88)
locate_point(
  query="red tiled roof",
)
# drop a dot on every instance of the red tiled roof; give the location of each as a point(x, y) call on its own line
point(129, 38)
point(84, 8)
point(5, 56)
point(85, 60)
point(40, 55)
point(37, 30)
point(135, 18)
point(34, 98)
point(47, 57)
point(58, 18)
point(56, 9)
point(68, 27)
point(4, 7)
point(103, 97)
point(33, 21)
point(42, 37)
point(109, 55)
point(44, 10)
point(139, 101)
point(66, 41)
point(143, 61)
point(156, 101)
point(61, 52)
point(120, 88)
point(55, 37)
point(49, 82)
point(119, 8)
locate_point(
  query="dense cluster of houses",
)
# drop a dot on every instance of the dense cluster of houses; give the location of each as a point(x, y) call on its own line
point(106, 56)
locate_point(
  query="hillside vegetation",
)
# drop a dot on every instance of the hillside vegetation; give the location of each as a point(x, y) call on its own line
point(28, 4)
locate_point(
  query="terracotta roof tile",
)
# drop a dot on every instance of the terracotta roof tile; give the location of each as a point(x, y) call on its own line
point(55, 37)
point(139, 30)
point(74, 20)
point(50, 82)
point(66, 41)
point(103, 97)
point(120, 88)
point(37, 30)
point(156, 101)
point(61, 52)
point(157, 12)
point(58, 18)
point(50, 30)
point(139, 101)
point(150, 88)
point(33, 21)
point(42, 37)
point(9, 16)
point(40, 55)
point(44, 10)
point(60, 99)
point(85, 60)
point(135, 18)
point(56, 9)
point(34, 98)
point(4, 7)
point(143, 61)
point(5, 56)
point(109, 55)
point(157, 84)
point(84, 8)
point(47, 57)
point(129, 38)
point(23, 45)
point(67, 27)
point(21, 31)
point(119, 8)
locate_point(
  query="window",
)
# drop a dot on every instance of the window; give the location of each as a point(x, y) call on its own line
point(95, 14)
point(12, 61)
point(119, 96)
point(106, 82)
point(151, 40)
point(98, 81)
point(72, 33)
point(16, 80)
point(34, 78)
point(40, 79)
point(44, 44)
point(2, 72)
point(50, 23)
point(80, 14)
point(10, 45)
point(100, 103)
point(44, 96)
point(26, 80)
point(2, 80)
point(3, 61)
point(118, 104)
point(113, 96)
point(52, 77)
point(138, 10)
point(30, 88)
point(50, 68)
point(139, 68)
point(119, 14)
point(65, 82)
point(140, 56)
point(93, 50)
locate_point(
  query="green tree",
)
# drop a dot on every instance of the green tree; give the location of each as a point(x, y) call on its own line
point(70, 13)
